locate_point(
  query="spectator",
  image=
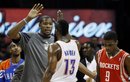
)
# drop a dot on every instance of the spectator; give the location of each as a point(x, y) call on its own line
point(18, 73)
point(95, 41)
point(8, 66)
point(88, 59)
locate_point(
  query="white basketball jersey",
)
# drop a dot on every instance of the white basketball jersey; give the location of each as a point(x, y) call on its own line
point(67, 66)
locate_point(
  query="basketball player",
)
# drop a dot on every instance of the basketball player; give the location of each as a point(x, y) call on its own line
point(34, 45)
point(8, 67)
point(112, 62)
point(64, 58)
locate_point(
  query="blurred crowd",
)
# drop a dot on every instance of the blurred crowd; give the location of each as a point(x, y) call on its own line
point(4, 42)
point(4, 50)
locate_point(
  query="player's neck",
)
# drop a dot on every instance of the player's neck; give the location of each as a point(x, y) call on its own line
point(66, 38)
point(15, 59)
point(115, 52)
point(44, 35)
point(90, 58)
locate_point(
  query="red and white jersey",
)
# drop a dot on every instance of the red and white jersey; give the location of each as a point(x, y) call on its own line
point(67, 66)
point(112, 68)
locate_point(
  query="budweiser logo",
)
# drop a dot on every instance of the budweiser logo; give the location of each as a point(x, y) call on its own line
point(81, 28)
point(77, 27)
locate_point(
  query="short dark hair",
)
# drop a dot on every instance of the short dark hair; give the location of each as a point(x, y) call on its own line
point(63, 26)
point(44, 17)
point(110, 35)
point(10, 45)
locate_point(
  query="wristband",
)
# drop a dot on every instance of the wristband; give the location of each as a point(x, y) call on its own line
point(25, 21)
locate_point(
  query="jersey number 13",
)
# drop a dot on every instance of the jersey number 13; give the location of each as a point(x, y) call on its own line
point(70, 66)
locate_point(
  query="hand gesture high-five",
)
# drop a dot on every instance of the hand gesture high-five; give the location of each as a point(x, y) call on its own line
point(35, 11)
point(59, 15)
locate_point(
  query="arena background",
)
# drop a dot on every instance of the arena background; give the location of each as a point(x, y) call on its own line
point(119, 13)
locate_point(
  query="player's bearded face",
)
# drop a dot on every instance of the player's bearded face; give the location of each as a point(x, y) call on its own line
point(46, 27)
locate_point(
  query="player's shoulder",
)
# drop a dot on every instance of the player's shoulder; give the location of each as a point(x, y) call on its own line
point(100, 50)
point(54, 46)
point(5, 64)
point(124, 53)
point(5, 61)
point(77, 43)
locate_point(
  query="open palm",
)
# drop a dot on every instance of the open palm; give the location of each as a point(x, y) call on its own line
point(35, 11)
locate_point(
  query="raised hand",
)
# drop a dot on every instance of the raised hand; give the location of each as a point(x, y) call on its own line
point(35, 11)
point(59, 15)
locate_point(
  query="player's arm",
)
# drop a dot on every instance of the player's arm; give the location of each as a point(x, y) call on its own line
point(60, 16)
point(127, 65)
point(34, 12)
point(86, 71)
point(18, 73)
point(98, 71)
point(89, 80)
point(53, 51)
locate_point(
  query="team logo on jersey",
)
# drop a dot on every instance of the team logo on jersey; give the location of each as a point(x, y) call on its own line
point(109, 66)
point(1, 73)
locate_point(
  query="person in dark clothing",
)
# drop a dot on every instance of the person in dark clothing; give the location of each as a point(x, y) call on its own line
point(88, 57)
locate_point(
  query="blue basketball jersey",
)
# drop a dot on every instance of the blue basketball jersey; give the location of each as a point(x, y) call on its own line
point(7, 69)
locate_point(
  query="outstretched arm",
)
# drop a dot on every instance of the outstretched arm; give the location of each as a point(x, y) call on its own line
point(86, 71)
point(34, 12)
point(59, 16)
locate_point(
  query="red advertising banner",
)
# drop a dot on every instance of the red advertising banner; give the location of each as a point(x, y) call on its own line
point(83, 23)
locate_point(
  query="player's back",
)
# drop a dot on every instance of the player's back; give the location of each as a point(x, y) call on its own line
point(67, 66)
